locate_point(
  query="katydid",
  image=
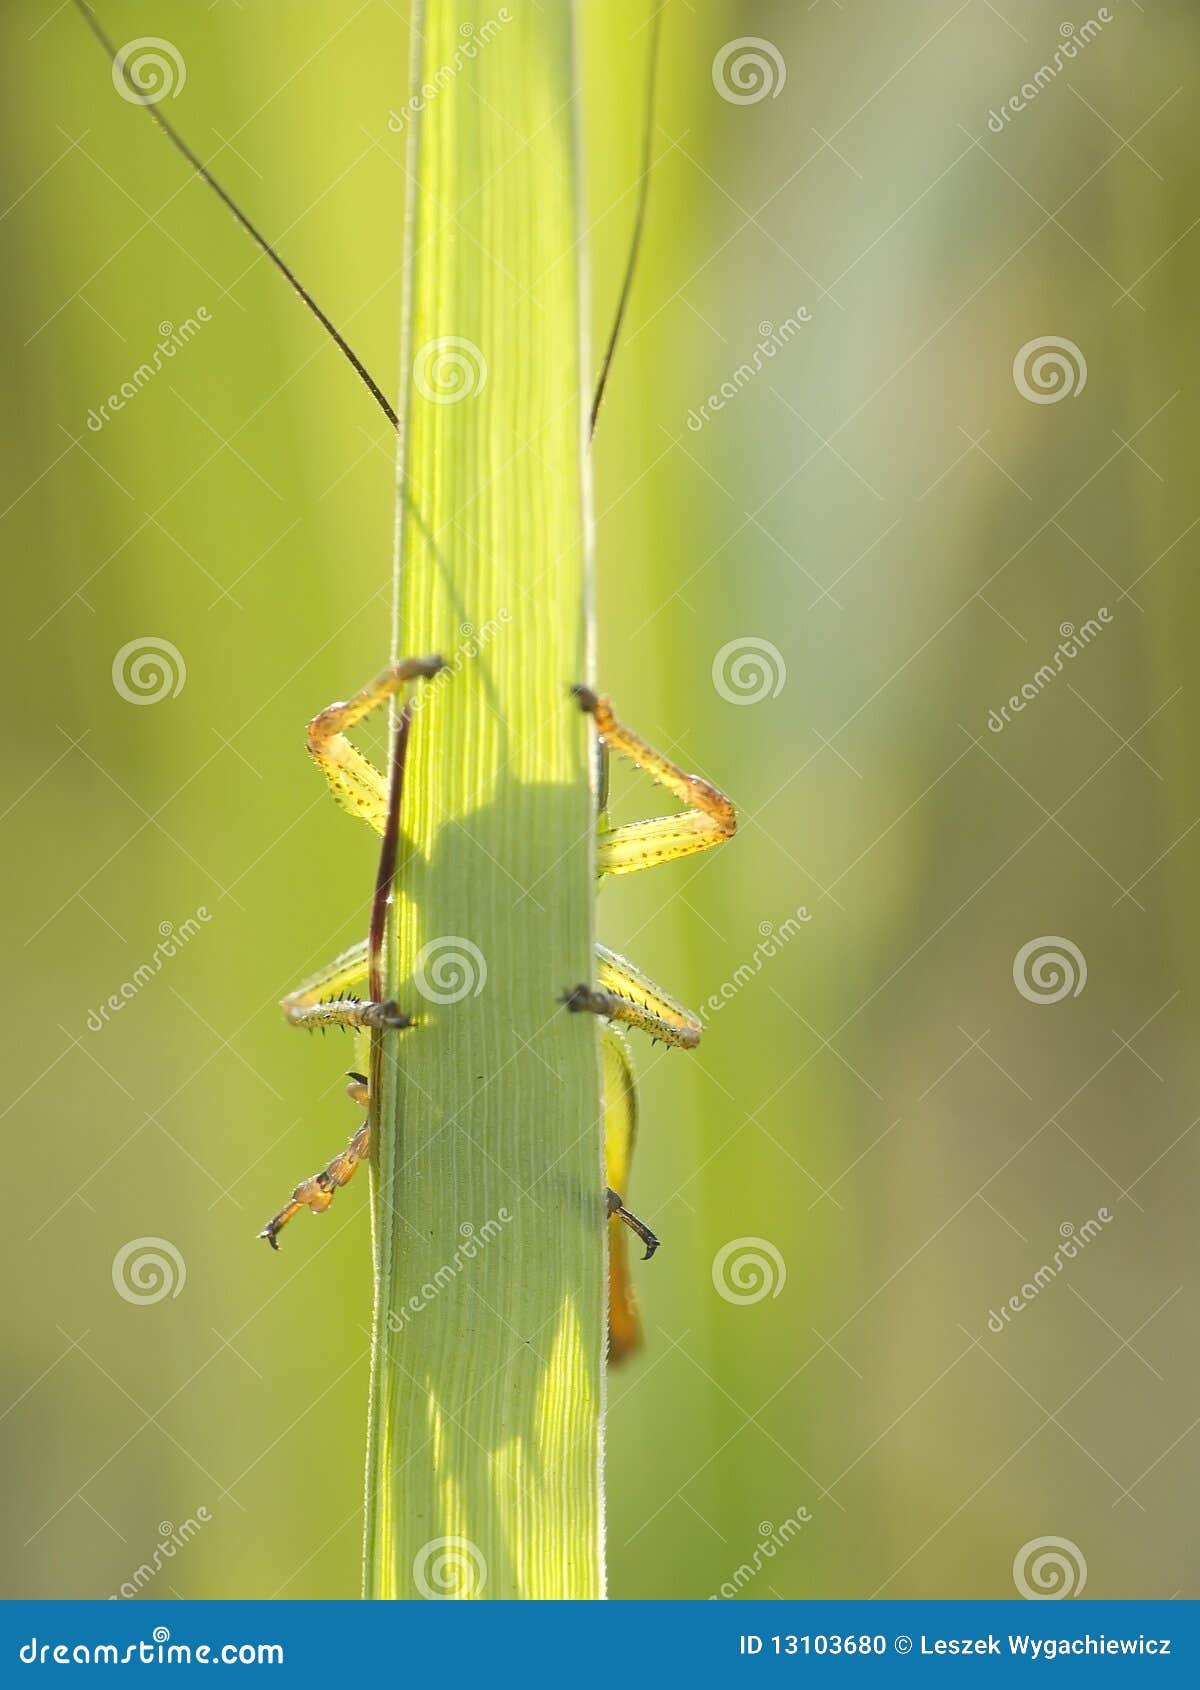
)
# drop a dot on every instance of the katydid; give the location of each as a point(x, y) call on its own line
point(621, 994)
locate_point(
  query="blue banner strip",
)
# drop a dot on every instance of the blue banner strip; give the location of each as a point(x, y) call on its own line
point(620, 1645)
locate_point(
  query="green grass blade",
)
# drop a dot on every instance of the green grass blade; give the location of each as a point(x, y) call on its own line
point(487, 1376)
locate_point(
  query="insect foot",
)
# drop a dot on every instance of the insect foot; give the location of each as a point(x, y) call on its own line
point(586, 1000)
point(587, 700)
point(385, 1015)
point(616, 1207)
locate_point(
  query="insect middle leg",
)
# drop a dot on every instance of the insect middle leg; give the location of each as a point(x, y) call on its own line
point(328, 999)
point(626, 995)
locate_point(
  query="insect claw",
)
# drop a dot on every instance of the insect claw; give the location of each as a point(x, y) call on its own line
point(387, 1015)
point(586, 699)
point(616, 1207)
point(586, 1000)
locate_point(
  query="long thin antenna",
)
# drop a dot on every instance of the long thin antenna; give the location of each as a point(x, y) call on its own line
point(256, 235)
point(639, 218)
point(285, 270)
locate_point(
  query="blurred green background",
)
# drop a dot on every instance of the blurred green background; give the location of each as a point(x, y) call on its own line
point(911, 1135)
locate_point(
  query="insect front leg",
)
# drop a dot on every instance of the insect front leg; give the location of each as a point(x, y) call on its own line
point(708, 819)
point(356, 784)
point(317, 1193)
